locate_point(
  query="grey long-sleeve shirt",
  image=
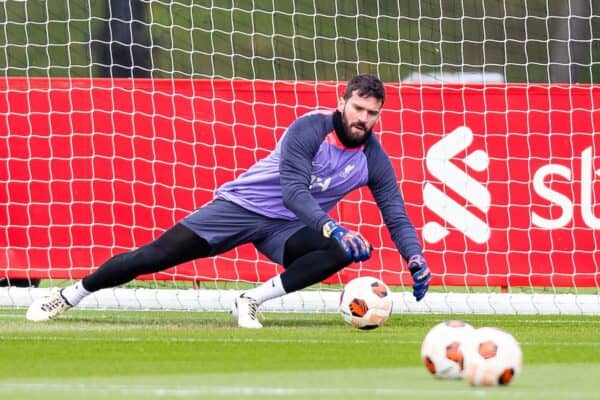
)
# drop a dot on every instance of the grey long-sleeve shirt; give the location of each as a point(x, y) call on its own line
point(310, 170)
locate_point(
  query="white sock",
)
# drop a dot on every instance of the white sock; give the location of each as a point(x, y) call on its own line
point(74, 293)
point(268, 290)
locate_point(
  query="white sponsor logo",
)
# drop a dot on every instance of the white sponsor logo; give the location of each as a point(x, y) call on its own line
point(439, 161)
point(542, 187)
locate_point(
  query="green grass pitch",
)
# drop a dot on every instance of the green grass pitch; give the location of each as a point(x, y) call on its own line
point(184, 355)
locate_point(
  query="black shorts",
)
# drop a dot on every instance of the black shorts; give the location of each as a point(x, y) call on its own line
point(225, 225)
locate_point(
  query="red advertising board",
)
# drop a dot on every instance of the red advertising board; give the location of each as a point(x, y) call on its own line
point(502, 182)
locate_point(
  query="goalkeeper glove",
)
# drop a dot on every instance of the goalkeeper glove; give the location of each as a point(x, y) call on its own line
point(356, 247)
point(420, 274)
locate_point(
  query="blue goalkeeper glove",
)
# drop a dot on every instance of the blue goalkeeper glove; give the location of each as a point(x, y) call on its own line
point(356, 247)
point(420, 274)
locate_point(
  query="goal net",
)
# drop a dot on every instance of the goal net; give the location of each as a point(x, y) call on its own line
point(118, 119)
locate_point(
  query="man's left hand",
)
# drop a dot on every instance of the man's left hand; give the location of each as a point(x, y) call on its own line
point(420, 274)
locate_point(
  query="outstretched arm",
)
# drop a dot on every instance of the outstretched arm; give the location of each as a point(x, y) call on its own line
point(383, 185)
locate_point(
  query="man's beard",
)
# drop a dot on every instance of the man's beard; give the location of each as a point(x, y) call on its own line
point(345, 133)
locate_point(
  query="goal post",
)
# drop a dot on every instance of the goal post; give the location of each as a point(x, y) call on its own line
point(495, 151)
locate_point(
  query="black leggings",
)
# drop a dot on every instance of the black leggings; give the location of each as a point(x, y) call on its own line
point(308, 259)
point(175, 246)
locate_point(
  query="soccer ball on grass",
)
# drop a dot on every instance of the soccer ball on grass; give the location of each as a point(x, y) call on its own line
point(492, 357)
point(365, 303)
point(441, 350)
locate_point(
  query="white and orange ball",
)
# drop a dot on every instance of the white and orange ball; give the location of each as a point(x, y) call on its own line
point(441, 350)
point(492, 357)
point(365, 303)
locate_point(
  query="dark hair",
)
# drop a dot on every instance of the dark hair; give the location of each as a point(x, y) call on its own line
point(367, 86)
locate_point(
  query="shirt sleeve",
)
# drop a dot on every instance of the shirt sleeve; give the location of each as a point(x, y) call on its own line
point(298, 149)
point(384, 187)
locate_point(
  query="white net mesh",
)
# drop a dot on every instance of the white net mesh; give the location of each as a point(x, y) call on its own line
point(119, 118)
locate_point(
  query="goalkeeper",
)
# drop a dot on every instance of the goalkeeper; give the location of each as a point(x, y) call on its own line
point(281, 205)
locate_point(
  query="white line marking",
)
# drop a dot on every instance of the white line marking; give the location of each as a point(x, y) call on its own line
point(262, 391)
point(587, 320)
point(174, 339)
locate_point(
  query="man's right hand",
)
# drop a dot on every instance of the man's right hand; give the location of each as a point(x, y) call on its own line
point(356, 247)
